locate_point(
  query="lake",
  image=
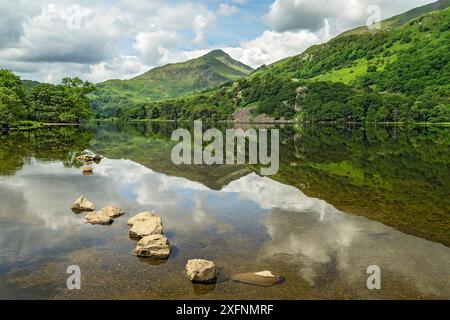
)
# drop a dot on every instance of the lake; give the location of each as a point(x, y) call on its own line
point(345, 198)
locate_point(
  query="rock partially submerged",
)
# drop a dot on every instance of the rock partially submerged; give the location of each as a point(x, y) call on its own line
point(104, 216)
point(112, 212)
point(148, 227)
point(201, 271)
point(87, 170)
point(140, 217)
point(155, 246)
point(262, 279)
point(87, 156)
point(82, 204)
point(99, 218)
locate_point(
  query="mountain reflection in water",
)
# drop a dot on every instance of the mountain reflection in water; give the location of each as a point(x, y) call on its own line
point(251, 223)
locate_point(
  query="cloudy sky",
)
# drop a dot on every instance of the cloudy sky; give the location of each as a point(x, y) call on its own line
point(97, 40)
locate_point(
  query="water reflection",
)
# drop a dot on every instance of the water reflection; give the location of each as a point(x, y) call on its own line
point(244, 222)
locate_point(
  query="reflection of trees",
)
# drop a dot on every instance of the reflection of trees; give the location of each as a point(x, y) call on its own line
point(150, 145)
point(396, 175)
point(56, 143)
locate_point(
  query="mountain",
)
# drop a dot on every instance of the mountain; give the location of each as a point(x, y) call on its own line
point(169, 81)
point(30, 84)
point(397, 73)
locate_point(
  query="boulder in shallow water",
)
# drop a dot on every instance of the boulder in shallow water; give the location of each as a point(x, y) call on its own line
point(262, 279)
point(145, 228)
point(143, 216)
point(87, 169)
point(112, 212)
point(201, 271)
point(155, 246)
point(99, 218)
point(83, 204)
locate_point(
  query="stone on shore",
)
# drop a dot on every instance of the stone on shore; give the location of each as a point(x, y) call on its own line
point(145, 228)
point(262, 279)
point(201, 271)
point(112, 212)
point(83, 204)
point(143, 216)
point(155, 246)
point(99, 218)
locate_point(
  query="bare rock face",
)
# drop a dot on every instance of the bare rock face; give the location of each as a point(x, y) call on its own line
point(140, 217)
point(83, 204)
point(112, 212)
point(156, 246)
point(99, 218)
point(262, 279)
point(145, 228)
point(201, 271)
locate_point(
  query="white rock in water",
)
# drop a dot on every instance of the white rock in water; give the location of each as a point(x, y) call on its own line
point(83, 204)
point(143, 216)
point(99, 218)
point(112, 212)
point(201, 271)
point(156, 246)
point(263, 278)
point(145, 228)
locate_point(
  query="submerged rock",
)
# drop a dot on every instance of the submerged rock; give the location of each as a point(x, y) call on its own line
point(145, 228)
point(201, 271)
point(155, 246)
point(112, 212)
point(87, 169)
point(262, 279)
point(99, 218)
point(143, 216)
point(83, 204)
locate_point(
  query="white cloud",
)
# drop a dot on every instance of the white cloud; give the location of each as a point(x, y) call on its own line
point(227, 10)
point(155, 46)
point(272, 46)
point(285, 15)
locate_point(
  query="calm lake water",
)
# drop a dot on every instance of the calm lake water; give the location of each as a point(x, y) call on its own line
point(345, 198)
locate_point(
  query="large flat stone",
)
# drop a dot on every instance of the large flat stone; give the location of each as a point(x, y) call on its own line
point(145, 228)
point(262, 279)
point(156, 246)
point(143, 216)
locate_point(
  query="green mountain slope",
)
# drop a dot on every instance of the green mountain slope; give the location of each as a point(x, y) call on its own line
point(397, 73)
point(170, 81)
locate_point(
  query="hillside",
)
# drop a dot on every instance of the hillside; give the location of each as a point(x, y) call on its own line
point(170, 81)
point(398, 73)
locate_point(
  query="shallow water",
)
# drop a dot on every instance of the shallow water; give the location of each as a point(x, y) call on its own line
point(229, 214)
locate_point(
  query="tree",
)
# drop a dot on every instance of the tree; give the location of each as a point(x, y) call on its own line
point(12, 98)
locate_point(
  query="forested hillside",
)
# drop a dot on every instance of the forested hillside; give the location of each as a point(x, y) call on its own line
point(397, 73)
point(118, 97)
point(27, 103)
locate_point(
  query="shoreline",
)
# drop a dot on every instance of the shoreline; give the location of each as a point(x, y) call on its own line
point(281, 122)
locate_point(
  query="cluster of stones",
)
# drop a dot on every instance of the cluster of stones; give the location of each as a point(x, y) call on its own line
point(88, 158)
point(148, 229)
point(104, 216)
